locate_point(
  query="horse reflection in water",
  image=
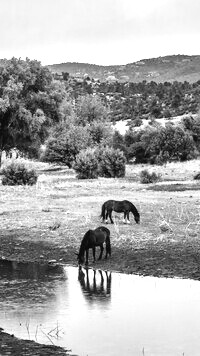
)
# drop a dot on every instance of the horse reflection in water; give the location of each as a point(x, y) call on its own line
point(95, 284)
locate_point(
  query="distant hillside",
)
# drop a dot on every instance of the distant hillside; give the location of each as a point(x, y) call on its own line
point(169, 68)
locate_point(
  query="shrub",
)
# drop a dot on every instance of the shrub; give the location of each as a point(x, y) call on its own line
point(147, 177)
point(65, 143)
point(90, 108)
point(111, 162)
point(137, 122)
point(86, 164)
point(100, 132)
point(18, 174)
point(160, 145)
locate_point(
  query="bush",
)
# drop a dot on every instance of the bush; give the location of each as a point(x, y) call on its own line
point(147, 177)
point(111, 162)
point(18, 174)
point(86, 164)
point(65, 143)
point(159, 145)
point(100, 132)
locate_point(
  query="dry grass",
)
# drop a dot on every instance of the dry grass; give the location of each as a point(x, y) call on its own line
point(60, 209)
point(59, 200)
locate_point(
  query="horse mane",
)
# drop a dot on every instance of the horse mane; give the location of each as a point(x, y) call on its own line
point(83, 245)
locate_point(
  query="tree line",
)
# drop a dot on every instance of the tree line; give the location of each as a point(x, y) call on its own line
point(75, 127)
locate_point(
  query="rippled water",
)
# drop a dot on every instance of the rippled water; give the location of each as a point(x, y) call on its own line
point(98, 314)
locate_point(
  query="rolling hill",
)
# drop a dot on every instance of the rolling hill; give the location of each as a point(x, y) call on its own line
point(169, 68)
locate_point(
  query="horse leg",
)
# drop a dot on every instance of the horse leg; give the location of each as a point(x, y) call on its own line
point(110, 216)
point(124, 220)
point(106, 253)
point(101, 252)
point(87, 253)
point(106, 220)
point(108, 248)
point(127, 215)
point(94, 250)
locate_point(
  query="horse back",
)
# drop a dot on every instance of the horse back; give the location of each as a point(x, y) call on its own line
point(119, 206)
point(93, 238)
point(99, 237)
point(113, 205)
point(104, 230)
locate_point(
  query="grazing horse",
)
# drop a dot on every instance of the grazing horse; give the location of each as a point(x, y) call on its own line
point(92, 239)
point(123, 206)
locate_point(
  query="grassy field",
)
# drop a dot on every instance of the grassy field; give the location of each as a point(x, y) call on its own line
point(47, 221)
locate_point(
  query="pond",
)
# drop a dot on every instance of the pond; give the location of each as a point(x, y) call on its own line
point(99, 313)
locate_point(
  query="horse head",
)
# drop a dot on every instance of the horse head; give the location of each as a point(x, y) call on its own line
point(137, 219)
point(80, 258)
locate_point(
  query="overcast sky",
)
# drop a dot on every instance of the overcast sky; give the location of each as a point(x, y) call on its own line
point(98, 31)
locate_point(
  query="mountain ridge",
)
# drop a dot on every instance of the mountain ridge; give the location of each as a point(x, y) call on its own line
point(159, 69)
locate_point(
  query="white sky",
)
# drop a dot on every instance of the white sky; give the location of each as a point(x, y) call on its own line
point(98, 31)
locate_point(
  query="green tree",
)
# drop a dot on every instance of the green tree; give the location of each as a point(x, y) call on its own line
point(118, 141)
point(90, 108)
point(170, 143)
point(65, 143)
point(192, 125)
point(100, 132)
point(159, 145)
point(19, 82)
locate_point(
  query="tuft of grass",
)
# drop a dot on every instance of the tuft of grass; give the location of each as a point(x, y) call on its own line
point(180, 221)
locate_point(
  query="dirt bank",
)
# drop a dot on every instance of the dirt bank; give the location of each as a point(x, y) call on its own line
point(10, 345)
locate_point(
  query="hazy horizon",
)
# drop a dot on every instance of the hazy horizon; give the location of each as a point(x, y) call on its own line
point(106, 32)
point(142, 59)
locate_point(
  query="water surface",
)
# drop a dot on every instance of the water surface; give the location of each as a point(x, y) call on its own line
point(98, 314)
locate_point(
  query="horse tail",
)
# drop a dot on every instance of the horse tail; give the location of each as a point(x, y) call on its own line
point(108, 245)
point(103, 211)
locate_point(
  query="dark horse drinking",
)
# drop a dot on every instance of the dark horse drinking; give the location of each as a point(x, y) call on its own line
point(92, 239)
point(123, 206)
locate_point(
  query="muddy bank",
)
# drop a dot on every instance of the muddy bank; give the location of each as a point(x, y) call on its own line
point(156, 258)
point(167, 259)
point(10, 345)
point(160, 258)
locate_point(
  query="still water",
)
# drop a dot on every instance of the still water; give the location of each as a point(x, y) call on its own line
point(98, 314)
